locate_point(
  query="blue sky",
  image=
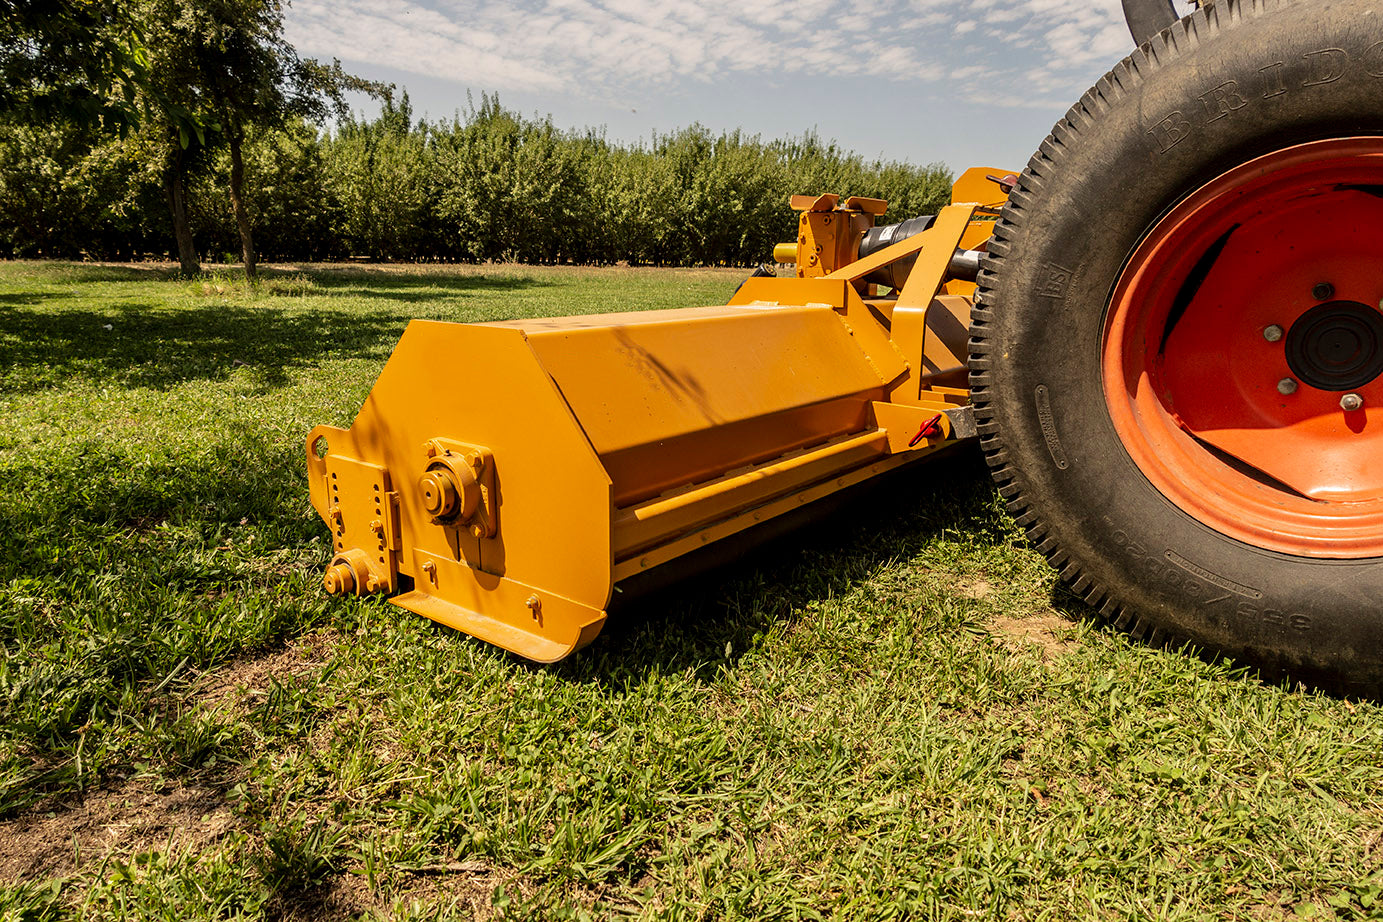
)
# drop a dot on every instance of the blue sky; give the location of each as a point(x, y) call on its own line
point(964, 83)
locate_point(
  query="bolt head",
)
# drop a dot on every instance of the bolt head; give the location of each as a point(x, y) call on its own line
point(1351, 402)
point(1272, 332)
point(1323, 291)
point(1287, 386)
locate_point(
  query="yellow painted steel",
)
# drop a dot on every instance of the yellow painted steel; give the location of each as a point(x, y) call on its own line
point(503, 478)
point(785, 253)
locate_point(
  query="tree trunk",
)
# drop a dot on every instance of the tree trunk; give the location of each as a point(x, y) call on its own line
point(242, 217)
point(175, 190)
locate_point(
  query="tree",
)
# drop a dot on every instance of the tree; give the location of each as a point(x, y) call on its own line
point(227, 62)
point(72, 60)
point(254, 78)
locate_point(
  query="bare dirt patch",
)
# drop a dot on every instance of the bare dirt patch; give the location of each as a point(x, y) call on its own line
point(232, 685)
point(125, 819)
point(1047, 631)
point(464, 889)
point(974, 589)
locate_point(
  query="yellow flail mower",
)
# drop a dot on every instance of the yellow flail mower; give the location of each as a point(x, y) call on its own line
point(1166, 334)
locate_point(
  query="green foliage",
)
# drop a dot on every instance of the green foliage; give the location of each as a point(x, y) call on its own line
point(488, 185)
point(72, 60)
point(378, 178)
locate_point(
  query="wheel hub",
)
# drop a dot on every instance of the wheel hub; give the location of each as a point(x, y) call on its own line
point(1336, 346)
point(1243, 354)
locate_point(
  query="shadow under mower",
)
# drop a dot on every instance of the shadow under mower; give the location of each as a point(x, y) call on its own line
point(1165, 333)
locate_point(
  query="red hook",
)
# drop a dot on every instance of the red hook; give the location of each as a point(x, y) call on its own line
point(930, 429)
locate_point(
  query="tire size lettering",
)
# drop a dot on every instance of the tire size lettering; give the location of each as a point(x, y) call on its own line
point(1158, 572)
point(1274, 617)
point(1177, 573)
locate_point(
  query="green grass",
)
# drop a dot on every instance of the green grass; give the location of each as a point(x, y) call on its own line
point(894, 714)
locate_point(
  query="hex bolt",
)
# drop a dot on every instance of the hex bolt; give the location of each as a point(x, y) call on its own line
point(1272, 332)
point(1351, 402)
point(535, 605)
point(1287, 386)
point(1323, 291)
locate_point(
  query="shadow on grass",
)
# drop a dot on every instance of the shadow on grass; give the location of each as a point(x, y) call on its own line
point(689, 623)
point(45, 343)
point(152, 347)
point(408, 283)
point(133, 272)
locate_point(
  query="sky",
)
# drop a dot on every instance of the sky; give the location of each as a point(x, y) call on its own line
point(975, 83)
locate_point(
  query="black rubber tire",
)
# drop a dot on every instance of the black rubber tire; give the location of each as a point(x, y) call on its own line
point(1138, 142)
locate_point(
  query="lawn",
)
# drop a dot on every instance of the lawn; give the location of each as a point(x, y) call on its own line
point(896, 714)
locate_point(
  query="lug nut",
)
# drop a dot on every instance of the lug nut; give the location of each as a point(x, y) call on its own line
point(1272, 332)
point(1351, 402)
point(1287, 386)
point(1323, 291)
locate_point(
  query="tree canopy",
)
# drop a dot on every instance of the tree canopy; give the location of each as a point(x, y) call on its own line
point(78, 60)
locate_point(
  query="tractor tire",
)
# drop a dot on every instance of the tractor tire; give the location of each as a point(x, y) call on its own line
point(1177, 341)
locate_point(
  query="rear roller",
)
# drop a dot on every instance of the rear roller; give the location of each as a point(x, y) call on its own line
point(1177, 357)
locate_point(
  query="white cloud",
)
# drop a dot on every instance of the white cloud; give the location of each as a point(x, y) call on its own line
point(610, 48)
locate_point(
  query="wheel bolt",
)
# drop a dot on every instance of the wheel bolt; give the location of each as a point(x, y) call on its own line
point(1323, 291)
point(1287, 386)
point(1351, 402)
point(1272, 332)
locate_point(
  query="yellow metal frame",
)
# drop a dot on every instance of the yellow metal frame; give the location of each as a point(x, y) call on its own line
point(503, 478)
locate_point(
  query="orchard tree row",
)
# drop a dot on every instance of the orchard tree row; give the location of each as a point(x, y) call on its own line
point(222, 143)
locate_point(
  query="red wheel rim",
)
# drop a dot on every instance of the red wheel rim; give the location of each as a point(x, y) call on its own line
point(1242, 428)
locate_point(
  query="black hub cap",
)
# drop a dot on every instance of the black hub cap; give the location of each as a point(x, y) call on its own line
point(1336, 346)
